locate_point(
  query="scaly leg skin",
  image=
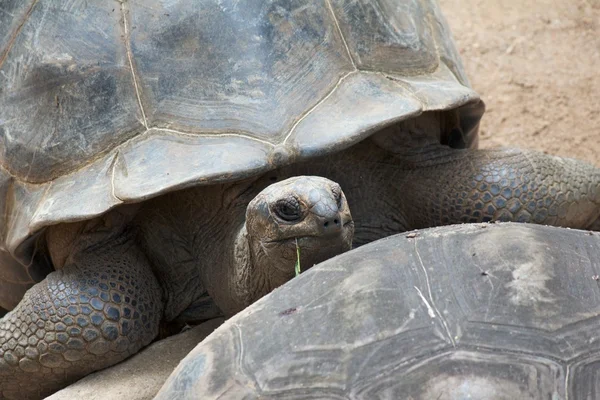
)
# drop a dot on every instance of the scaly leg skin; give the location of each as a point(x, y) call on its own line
point(98, 310)
point(448, 186)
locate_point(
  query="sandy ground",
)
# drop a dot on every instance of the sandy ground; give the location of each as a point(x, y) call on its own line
point(537, 66)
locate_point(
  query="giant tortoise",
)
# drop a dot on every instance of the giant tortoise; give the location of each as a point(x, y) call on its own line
point(475, 311)
point(136, 133)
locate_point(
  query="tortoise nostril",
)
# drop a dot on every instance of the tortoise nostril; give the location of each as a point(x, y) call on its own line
point(333, 224)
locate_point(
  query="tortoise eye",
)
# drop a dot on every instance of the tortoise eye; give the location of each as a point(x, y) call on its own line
point(337, 194)
point(288, 209)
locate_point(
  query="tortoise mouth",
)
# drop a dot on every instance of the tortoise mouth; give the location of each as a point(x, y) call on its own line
point(312, 249)
point(315, 240)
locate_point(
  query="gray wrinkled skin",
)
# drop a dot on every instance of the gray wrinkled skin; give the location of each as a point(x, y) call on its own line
point(478, 311)
point(138, 132)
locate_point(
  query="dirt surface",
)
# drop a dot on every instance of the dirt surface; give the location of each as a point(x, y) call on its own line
point(537, 66)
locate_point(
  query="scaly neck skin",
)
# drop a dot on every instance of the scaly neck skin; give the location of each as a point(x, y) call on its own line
point(249, 274)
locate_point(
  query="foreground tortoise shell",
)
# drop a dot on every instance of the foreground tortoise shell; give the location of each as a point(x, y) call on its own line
point(476, 311)
point(104, 103)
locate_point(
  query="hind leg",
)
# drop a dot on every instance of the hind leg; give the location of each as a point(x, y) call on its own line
point(102, 307)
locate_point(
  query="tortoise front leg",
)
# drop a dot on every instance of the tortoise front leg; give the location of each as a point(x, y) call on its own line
point(446, 186)
point(102, 307)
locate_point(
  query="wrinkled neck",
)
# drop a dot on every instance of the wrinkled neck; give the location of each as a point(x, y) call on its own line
point(256, 271)
point(249, 274)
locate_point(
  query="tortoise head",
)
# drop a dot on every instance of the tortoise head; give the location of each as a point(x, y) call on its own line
point(305, 215)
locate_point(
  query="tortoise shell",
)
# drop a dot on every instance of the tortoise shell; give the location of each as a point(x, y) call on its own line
point(474, 311)
point(105, 102)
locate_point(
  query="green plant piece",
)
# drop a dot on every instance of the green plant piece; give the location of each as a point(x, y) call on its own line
point(297, 267)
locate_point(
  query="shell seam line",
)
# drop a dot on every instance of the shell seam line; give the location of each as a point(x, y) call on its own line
point(40, 201)
point(11, 220)
point(428, 20)
point(567, 382)
point(113, 169)
point(130, 58)
point(11, 42)
point(240, 135)
point(7, 211)
point(339, 29)
point(429, 308)
point(339, 82)
point(401, 84)
point(431, 296)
